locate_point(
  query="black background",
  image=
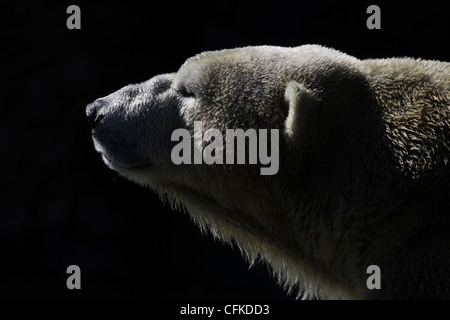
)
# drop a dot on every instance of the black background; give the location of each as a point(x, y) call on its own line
point(60, 205)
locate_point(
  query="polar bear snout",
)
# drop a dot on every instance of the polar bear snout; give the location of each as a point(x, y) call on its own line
point(93, 114)
point(131, 127)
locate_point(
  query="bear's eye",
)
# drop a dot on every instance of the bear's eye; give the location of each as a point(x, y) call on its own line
point(185, 92)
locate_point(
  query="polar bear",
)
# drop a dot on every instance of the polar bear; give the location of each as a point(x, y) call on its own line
point(364, 173)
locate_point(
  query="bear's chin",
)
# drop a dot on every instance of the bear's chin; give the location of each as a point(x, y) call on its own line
point(120, 164)
point(126, 166)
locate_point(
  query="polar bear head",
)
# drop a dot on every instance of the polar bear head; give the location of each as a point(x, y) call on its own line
point(310, 94)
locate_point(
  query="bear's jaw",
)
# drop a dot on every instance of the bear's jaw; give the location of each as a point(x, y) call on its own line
point(117, 164)
point(122, 167)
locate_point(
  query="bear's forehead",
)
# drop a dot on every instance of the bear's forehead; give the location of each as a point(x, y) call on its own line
point(233, 60)
point(232, 70)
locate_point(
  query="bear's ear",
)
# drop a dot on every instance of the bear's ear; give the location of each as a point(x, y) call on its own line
point(302, 111)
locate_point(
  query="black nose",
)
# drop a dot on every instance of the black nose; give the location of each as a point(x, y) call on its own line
point(92, 112)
